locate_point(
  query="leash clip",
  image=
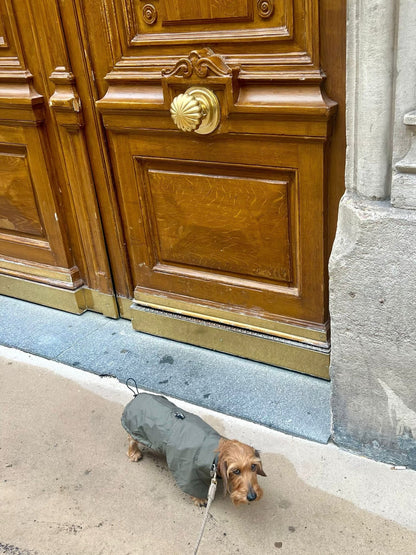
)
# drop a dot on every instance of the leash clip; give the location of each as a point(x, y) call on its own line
point(213, 473)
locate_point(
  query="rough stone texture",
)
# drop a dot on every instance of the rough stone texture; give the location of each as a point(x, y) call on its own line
point(373, 321)
point(405, 89)
point(373, 263)
point(370, 83)
point(403, 189)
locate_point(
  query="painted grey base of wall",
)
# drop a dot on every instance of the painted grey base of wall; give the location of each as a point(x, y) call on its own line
point(373, 323)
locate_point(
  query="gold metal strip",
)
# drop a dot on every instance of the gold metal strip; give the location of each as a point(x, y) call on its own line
point(101, 302)
point(233, 341)
point(124, 305)
point(311, 336)
point(76, 301)
point(47, 295)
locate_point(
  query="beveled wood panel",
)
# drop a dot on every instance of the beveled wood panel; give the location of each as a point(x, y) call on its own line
point(7, 40)
point(18, 204)
point(32, 238)
point(173, 21)
point(175, 11)
point(219, 219)
point(4, 43)
point(26, 191)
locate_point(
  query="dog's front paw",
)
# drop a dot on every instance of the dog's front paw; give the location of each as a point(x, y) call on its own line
point(134, 456)
point(134, 453)
point(199, 502)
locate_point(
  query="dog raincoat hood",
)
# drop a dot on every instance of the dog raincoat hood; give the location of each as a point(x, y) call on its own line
point(188, 442)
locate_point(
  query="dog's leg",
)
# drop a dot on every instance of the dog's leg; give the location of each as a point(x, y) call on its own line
point(199, 502)
point(134, 453)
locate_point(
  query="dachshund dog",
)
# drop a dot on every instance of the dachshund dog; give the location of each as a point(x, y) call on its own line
point(192, 449)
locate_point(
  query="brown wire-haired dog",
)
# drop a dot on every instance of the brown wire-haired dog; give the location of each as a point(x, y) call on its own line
point(238, 465)
point(192, 448)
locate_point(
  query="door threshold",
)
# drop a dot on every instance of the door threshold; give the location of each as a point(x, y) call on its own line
point(284, 353)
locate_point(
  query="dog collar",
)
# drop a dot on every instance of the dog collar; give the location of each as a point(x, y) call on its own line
point(214, 467)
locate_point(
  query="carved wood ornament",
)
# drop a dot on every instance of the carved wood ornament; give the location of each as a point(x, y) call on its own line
point(149, 14)
point(202, 63)
point(265, 8)
point(203, 68)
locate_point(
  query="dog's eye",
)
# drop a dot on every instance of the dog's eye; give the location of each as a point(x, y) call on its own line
point(253, 467)
point(236, 471)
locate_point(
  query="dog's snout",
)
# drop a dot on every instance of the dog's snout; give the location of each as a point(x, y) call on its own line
point(251, 496)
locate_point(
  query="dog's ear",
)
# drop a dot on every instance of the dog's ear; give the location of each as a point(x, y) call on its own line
point(259, 470)
point(223, 468)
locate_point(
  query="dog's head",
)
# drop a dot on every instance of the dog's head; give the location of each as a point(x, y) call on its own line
point(239, 465)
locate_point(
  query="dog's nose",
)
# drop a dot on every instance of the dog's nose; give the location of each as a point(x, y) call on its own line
point(251, 496)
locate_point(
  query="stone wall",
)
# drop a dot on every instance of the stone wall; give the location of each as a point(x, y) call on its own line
point(373, 262)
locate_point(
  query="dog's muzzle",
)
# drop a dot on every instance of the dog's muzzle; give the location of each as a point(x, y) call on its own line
point(251, 496)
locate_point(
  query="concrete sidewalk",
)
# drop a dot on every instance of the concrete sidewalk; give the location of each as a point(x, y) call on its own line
point(67, 487)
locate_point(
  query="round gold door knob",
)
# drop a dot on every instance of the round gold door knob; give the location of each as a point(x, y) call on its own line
point(186, 112)
point(197, 109)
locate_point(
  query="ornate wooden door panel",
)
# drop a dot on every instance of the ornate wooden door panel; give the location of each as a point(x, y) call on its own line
point(51, 243)
point(30, 228)
point(226, 228)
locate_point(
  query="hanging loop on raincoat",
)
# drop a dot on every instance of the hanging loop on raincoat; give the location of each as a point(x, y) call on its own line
point(135, 393)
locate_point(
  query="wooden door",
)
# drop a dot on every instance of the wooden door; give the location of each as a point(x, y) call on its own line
point(216, 232)
point(226, 232)
point(52, 163)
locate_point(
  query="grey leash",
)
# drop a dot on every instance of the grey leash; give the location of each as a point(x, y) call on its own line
point(211, 496)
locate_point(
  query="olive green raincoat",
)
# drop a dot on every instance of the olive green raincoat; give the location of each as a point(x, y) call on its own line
point(188, 442)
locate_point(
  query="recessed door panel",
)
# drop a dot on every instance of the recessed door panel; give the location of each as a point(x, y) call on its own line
point(175, 11)
point(174, 20)
point(225, 234)
point(19, 212)
point(205, 218)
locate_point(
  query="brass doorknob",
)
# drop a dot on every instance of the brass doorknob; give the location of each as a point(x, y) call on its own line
point(197, 109)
